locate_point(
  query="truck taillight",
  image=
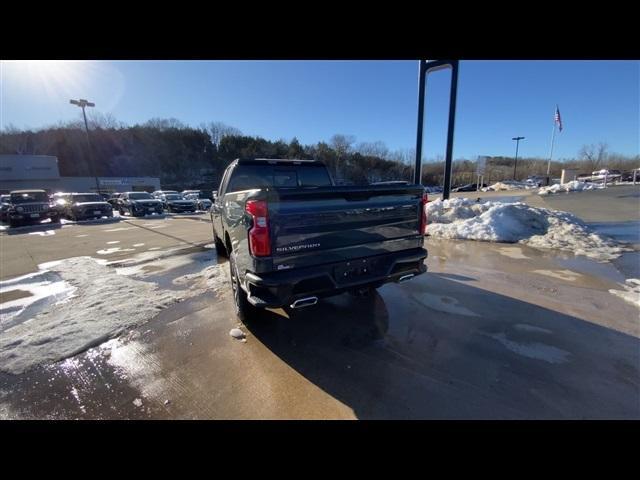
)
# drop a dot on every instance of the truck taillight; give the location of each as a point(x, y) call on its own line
point(423, 218)
point(259, 242)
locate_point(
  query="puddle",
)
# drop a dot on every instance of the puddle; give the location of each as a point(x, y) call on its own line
point(506, 199)
point(585, 266)
point(627, 232)
point(567, 275)
point(443, 304)
point(513, 252)
point(11, 295)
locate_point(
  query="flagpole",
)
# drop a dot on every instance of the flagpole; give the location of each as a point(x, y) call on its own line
point(553, 137)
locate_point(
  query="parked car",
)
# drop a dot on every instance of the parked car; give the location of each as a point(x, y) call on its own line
point(201, 203)
point(158, 193)
point(29, 207)
point(113, 199)
point(82, 206)
point(470, 187)
point(138, 204)
point(4, 207)
point(293, 237)
point(174, 202)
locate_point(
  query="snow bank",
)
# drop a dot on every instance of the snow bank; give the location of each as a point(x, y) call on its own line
point(508, 185)
point(631, 292)
point(517, 222)
point(104, 304)
point(573, 186)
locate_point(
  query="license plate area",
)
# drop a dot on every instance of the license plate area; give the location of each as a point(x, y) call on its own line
point(35, 215)
point(356, 270)
point(97, 212)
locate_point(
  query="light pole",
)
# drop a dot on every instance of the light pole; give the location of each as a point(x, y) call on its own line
point(515, 164)
point(82, 104)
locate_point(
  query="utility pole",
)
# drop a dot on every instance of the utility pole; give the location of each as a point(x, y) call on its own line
point(515, 164)
point(82, 104)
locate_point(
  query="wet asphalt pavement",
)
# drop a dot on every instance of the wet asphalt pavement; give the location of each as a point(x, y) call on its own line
point(493, 331)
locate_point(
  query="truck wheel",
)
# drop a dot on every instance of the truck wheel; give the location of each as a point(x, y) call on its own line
point(244, 310)
point(221, 250)
point(55, 219)
point(14, 223)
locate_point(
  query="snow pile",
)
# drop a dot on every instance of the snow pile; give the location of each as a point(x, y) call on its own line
point(31, 292)
point(573, 186)
point(631, 292)
point(104, 305)
point(508, 185)
point(212, 277)
point(518, 222)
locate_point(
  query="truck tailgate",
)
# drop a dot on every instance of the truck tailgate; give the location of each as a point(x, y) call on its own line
point(310, 223)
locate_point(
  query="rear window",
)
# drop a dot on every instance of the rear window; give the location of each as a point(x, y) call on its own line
point(139, 196)
point(87, 198)
point(246, 177)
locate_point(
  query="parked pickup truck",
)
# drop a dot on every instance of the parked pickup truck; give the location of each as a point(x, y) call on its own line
point(293, 237)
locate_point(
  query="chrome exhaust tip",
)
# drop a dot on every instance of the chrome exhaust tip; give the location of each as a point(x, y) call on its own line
point(304, 302)
point(404, 278)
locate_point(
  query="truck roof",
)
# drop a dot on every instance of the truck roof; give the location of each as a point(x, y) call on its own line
point(277, 161)
point(27, 191)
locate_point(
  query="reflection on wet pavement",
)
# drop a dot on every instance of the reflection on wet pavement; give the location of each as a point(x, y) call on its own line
point(487, 333)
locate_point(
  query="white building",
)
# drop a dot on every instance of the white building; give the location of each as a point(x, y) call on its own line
point(18, 172)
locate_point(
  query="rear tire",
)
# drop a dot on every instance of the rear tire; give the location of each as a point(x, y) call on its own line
point(244, 310)
point(221, 250)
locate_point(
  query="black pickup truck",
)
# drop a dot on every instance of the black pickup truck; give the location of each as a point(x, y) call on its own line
point(292, 236)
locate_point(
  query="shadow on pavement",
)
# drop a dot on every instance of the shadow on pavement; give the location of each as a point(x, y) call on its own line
point(438, 349)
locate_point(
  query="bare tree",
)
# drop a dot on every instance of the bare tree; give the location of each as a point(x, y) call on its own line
point(103, 120)
point(218, 130)
point(342, 144)
point(594, 156)
point(373, 149)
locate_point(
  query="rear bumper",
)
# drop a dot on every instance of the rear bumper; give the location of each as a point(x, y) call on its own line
point(282, 288)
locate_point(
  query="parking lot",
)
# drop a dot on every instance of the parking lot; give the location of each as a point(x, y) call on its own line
point(492, 331)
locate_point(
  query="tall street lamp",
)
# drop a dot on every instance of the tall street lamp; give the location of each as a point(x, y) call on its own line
point(82, 104)
point(515, 164)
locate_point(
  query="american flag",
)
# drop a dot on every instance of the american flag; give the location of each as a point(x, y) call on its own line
point(557, 119)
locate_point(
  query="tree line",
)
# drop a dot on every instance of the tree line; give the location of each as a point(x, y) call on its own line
point(195, 157)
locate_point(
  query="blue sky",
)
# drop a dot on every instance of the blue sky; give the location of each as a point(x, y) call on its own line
point(372, 100)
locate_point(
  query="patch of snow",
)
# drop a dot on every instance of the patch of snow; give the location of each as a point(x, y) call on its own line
point(44, 288)
point(573, 186)
point(237, 333)
point(138, 245)
point(538, 351)
point(631, 292)
point(212, 277)
point(567, 275)
point(517, 222)
point(105, 304)
point(112, 250)
point(113, 243)
point(508, 185)
point(43, 233)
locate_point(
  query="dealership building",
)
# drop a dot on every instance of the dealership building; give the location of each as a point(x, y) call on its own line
point(22, 172)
